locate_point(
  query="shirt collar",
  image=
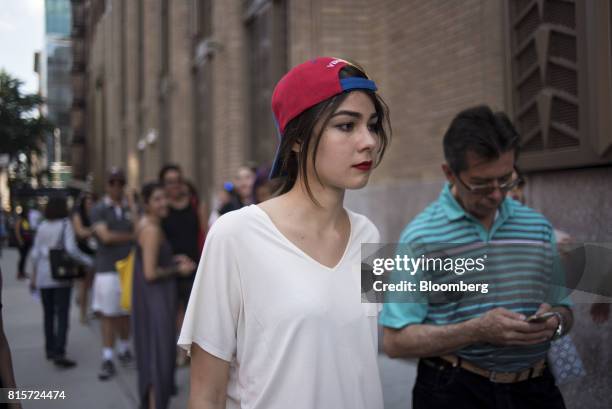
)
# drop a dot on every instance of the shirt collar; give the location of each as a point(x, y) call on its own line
point(454, 211)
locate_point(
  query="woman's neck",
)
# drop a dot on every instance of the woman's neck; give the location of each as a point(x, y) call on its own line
point(328, 211)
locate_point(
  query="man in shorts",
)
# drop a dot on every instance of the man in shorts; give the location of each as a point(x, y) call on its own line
point(113, 224)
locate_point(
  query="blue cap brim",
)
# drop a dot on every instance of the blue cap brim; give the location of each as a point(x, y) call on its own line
point(277, 164)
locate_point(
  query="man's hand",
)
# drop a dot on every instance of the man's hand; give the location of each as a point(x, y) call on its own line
point(552, 323)
point(504, 327)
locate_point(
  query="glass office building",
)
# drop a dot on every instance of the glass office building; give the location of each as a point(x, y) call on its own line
point(57, 84)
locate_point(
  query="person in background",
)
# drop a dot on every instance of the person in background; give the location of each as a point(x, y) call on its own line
point(24, 236)
point(54, 294)
point(35, 217)
point(223, 197)
point(243, 189)
point(86, 241)
point(113, 224)
point(183, 229)
point(518, 192)
point(154, 301)
point(264, 187)
point(7, 377)
point(202, 207)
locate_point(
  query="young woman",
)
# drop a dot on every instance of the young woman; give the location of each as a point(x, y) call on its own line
point(55, 295)
point(81, 223)
point(275, 319)
point(154, 301)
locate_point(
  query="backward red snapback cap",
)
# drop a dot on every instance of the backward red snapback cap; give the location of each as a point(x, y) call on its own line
point(306, 85)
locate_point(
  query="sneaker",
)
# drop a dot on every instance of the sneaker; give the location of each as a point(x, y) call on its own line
point(64, 362)
point(107, 370)
point(125, 358)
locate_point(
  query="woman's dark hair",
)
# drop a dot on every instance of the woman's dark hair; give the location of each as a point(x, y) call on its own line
point(480, 131)
point(262, 179)
point(301, 130)
point(148, 190)
point(193, 192)
point(167, 168)
point(57, 208)
point(82, 208)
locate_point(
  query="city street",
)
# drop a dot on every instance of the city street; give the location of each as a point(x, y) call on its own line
point(23, 326)
point(22, 315)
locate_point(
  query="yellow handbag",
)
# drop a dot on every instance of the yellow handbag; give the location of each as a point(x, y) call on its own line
point(125, 268)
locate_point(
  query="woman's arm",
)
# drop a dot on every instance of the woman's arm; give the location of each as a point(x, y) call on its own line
point(209, 376)
point(36, 252)
point(149, 239)
point(71, 247)
point(80, 230)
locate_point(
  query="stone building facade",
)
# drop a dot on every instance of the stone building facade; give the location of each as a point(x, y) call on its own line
point(189, 81)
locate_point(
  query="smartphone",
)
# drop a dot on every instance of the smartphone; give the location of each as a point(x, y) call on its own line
point(540, 317)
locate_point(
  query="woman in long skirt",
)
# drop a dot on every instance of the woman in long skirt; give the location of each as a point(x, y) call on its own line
point(154, 302)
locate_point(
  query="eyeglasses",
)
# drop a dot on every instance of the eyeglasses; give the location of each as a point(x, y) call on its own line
point(503, 184)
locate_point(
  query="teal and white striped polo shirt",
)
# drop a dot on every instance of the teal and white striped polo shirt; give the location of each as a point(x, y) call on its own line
point(522, 271)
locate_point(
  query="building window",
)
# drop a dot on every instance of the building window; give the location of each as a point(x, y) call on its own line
point(551, 54)
point(165, 38)
point(201, 18)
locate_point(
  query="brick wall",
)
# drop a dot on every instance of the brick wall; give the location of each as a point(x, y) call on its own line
point(180, 89)
point(430, 59)
point(229, 90)
point(131, 63)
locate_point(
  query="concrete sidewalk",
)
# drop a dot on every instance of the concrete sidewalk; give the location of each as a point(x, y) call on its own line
point(22, 313)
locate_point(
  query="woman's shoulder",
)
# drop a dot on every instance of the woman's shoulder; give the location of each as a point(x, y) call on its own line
point(363, 227)
point(50, 224)
point(146, 227)
point(234, 222)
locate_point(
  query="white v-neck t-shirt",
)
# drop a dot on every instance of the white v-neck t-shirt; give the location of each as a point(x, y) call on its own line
point(295, 332)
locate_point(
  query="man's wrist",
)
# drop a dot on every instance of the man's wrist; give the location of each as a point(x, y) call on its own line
point(472, 328)
point(564, 319)
point(560, 331)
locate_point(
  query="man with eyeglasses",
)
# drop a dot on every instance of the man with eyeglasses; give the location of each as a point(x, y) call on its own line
point(482, 350)
point(112, 220)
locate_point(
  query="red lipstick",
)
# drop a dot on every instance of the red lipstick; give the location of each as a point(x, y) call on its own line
point(365, 166)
